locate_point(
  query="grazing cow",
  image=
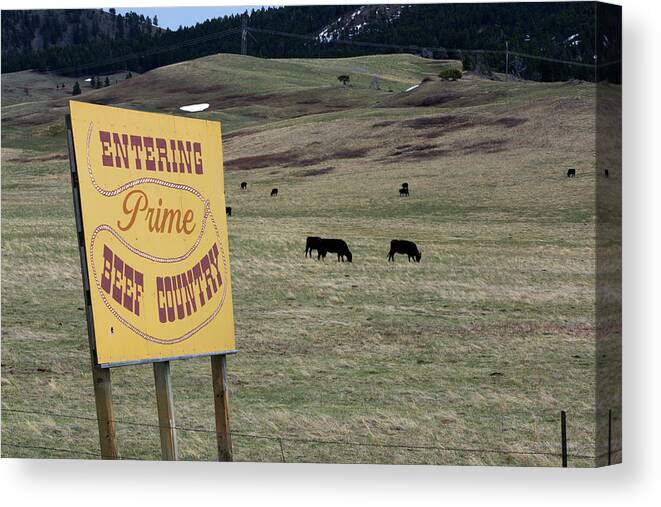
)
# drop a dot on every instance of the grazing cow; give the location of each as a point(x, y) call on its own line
point(400, 246)
point(404, 191)
point(312, 243)
point(274, 192)
point(244, 185)
point(571, 173)
point(606, 173)
point(228, 211)
point(405, 185)
point(337, 246)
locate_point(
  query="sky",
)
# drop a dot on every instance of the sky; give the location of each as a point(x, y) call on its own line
point(173, 17)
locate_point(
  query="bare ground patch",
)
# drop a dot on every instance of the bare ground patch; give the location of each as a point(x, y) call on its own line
point(386, 123)
point(436, 100)
point(437, 121)
point(292, 158)
point(489, 146)
point(354, 153)
point(510, 121)
point(240, 133)
point(259, 161)
point(39, 158)
point(315, 172)
point(421, 152)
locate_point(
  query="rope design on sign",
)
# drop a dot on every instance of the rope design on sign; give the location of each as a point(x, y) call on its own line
point(153, 258)
point(163, 260)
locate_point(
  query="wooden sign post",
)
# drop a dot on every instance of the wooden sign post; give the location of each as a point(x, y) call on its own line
point(104, 412)
point(152, 235)
point(100, 376)
point(165, 408)
point(221, 407)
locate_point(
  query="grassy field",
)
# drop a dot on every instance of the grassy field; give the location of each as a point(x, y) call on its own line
point(477, 347)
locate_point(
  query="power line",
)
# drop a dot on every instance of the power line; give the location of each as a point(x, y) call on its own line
point(245, 30)
point(413, 47)
point(150, 52)
point(334, 41)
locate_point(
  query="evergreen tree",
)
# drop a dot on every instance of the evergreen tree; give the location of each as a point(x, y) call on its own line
point(155, 20)
point(93, 82)
point(106, 82)
point(76, 89)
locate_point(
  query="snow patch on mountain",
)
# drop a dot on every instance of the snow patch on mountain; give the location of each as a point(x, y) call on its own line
point(358, 21)
point(573, 40)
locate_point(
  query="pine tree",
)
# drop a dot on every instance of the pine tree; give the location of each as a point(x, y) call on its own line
point(76, 89)
point(93, 82)
point(155, 20)
point(106, 82)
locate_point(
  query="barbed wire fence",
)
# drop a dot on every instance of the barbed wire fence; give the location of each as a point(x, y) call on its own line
point(562, 454)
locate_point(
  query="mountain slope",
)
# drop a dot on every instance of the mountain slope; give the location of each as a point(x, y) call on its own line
point(560, 31)
point(28, 37)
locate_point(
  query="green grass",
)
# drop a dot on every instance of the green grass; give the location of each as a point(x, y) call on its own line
point(478, 346)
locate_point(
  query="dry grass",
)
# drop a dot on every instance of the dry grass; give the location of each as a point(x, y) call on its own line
point(478, 346)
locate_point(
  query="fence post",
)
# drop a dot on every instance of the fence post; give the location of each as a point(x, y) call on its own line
point(165, 408)
point(610, 434)
point(282, 451)
point(563, 437)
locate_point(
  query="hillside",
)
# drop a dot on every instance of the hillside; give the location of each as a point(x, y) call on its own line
point(243, 91)
point(477, 348)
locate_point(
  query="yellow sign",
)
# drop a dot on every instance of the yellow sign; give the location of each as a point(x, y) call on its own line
point(153, 213)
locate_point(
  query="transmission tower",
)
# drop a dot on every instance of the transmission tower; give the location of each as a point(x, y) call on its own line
point(244, 35)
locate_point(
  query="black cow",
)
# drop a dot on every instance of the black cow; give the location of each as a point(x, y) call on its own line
point(312, 243)
point(274, 192)
point(337, 246)
point(571, 173)
point(401, 246)
point(244, 185)
point(404, 191)
point(228, 211)
point(405, 185)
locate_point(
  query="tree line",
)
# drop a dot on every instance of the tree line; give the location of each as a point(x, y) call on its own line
point(563, 31)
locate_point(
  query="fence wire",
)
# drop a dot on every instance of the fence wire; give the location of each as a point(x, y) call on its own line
point(280, 439)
